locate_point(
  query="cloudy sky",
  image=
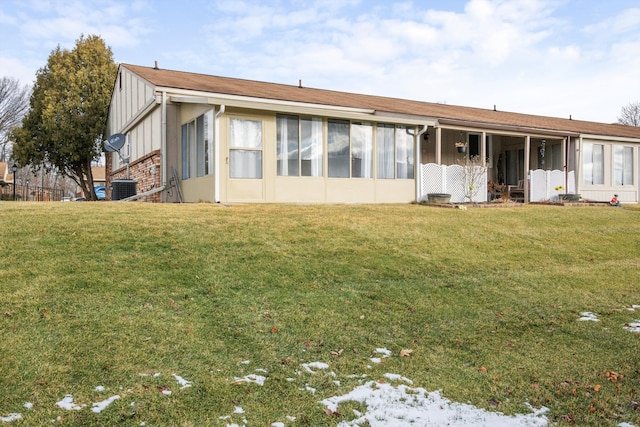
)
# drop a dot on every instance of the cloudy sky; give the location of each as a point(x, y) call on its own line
point(546, 57)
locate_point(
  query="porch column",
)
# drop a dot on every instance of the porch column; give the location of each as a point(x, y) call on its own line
point(527, 166)
point(565, 166)
point(438, 145)
point(483, 149)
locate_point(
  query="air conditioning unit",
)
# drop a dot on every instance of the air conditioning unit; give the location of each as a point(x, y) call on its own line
point(122, 188)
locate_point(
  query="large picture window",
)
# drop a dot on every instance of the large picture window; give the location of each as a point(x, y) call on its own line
point(593, 163)
point(623, 165)
point(245, 154)
point(299, 146)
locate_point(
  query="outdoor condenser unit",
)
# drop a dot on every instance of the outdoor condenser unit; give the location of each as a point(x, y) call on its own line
point(122, 188)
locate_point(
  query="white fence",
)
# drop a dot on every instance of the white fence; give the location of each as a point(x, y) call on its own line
point(546, 185)
point(453, 180)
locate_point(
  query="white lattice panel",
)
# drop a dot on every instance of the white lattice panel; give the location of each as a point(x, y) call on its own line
point(451, 180)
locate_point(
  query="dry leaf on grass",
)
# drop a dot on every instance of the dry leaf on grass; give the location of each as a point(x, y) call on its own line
point(614, 377)
point(405, 352)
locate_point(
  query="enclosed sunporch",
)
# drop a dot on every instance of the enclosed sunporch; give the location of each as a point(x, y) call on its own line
point(478, 165)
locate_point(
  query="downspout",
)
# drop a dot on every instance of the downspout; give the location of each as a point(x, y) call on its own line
point(417, 176)
point(216, 153)
point(163, 141)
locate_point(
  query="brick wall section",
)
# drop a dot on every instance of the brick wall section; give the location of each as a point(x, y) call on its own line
point(140, 171)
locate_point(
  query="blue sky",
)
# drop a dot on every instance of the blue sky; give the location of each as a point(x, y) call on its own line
point(547, 57)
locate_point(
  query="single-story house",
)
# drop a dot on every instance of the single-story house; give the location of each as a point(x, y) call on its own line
point(193, 137)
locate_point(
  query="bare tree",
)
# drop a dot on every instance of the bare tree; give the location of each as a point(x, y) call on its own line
point(14, 104)
point(473, 177)
point(630, 115)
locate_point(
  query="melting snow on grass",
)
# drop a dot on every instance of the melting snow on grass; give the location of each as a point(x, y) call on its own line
point(183, 383)
point(251, 378)
point(67, 403)
point(633, 327)
point(588, 317)
point(406, 406)
point(314, 365)
point(384, 352)
point(10, 417)
point(100, 406)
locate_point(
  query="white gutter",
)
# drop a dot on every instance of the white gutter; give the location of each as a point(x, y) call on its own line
point(163, 142)
point(281, 106)
point(416, 159)
point(190, 96)
point(216, 152)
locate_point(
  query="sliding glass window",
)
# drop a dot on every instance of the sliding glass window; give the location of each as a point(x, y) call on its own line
point(361, 150)
point(338, 148)
point(404, 153)
point(385, 151)
point(299, 146)
point(197, 146)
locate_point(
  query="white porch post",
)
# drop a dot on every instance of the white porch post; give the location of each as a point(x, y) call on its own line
point(438, 145)
point(527, 166)
point(483, 149)
point(565, 166)
point(577, 167)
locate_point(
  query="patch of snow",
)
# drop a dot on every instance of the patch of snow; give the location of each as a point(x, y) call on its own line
point(278, 424)
point(633, 308)
point(245, 362)
point(264, 371)
point(238, 410)
point(224, 417)
point(11, 417)
point(290, 418)
point(588, 316)
point(290, 380)
point(405, 406)
point(251, 378)
point(376, 360)
point(625, 425)
point(100, 406)
point(633, 327)
point(67, 403)
point(99, 388)
point(337, 383)
point(28, 405)
point(384, 352)
point(183, 383)
point(310, 389)
point(166, 392)
point(156, 375)
point(396, 377)
point(315, 365)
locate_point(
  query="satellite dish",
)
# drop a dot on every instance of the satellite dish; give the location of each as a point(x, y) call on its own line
point(115, 142)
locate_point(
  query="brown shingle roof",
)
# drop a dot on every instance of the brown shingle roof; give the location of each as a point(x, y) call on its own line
point(274, 91)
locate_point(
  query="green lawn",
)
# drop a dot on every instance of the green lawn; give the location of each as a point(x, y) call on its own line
point(127, 295)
